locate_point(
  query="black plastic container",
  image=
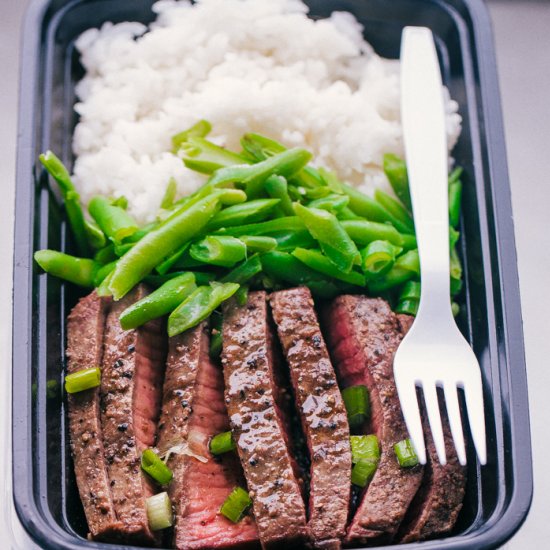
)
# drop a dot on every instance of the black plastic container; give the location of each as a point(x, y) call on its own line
point(46, 499)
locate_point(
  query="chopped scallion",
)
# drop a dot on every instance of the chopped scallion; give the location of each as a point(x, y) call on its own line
point(159, 511)
point(363, 471)
point(155, 467)
point(406, 455)
point(356, 399)
point(364, 447)
point(222, 443)
point(83, 380)
point(236, 505)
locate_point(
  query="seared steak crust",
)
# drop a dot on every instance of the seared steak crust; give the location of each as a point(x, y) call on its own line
point(363, 334)
point(322, 412)
point(193, 403)
point(131, 390)
point(85, 350)
point(436, 506)
point(251, 397)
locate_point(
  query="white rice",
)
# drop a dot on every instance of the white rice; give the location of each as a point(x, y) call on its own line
point(244, 65)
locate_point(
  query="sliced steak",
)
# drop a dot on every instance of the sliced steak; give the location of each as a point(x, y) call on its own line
point(131, 390)
point(363, 334)
point(85, 350)
point(436, 506)
point(259, 431)
point(322, 412)
point(193, 411)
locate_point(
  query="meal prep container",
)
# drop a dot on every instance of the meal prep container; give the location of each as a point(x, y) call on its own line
point(47, 502)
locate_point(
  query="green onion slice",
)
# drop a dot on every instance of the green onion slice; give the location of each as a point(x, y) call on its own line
point(363, 471)
point(83, 380)
point(155, 467)
point(406, 455)
point(159, 511)
point(236, 505)
point(222, 443)
point(356, 400)
point(364, 447)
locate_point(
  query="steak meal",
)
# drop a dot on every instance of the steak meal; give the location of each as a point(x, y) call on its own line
point(215, 431)
point(239, 213)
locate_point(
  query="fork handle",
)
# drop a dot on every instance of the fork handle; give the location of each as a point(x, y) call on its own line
point(425, 138)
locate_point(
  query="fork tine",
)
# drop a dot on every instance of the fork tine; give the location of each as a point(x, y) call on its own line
point(411, 413)
point(455, 421)
point(434, 416)
point(476, 416)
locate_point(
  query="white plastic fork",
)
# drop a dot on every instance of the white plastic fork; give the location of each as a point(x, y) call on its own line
point(434, 353)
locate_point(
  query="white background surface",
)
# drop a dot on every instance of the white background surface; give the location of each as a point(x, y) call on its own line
point(522, 36)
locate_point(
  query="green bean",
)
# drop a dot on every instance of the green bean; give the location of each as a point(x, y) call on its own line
point(202, 278)
point(114, 221)
point(331, 236)
point(409, 298)
point(331, 181)
point(282, 266)
point(244, 272)
point(456, 272)
point(203, 156)
point(396, 209)
point(198, 306)
point(241, 296)
point(289, 240)
point(260, 148)
point(409, 241)
point(75, 215)
point(160, 302)
point(378, 257)
point(277, 188)
point(96, 237)
point(169, 195)
point(455, 198)
point(121, 202)
point(455, 174)
point(121, 249)
point(253, 176)
point(80, 271)
point(103, 288)
point(455, 308)
point(161, 243)
point(102, 272)
point(106, 254)
point(270, 227)
point(167, 264)
point(255, 243)
point(221, 250)
point(333, 203)
point(240, 214)
point(317, 261)
point(454, 235)
point(347, 213)
point(396, 172)
point(364, 232)
point(140, 233)
point(200, 129)
point(405, 268)
point(216, 335)
point(315, 193)
point(371, 210)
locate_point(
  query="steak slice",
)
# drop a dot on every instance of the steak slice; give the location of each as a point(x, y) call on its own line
point(363, 334)
point(193, 411)
point(322, 411)
point(85, 350)
point(259, 430)
point(435, 508)
point(131, 391)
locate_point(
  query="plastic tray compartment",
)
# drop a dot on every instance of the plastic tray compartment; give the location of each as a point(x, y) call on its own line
point(46, 499)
